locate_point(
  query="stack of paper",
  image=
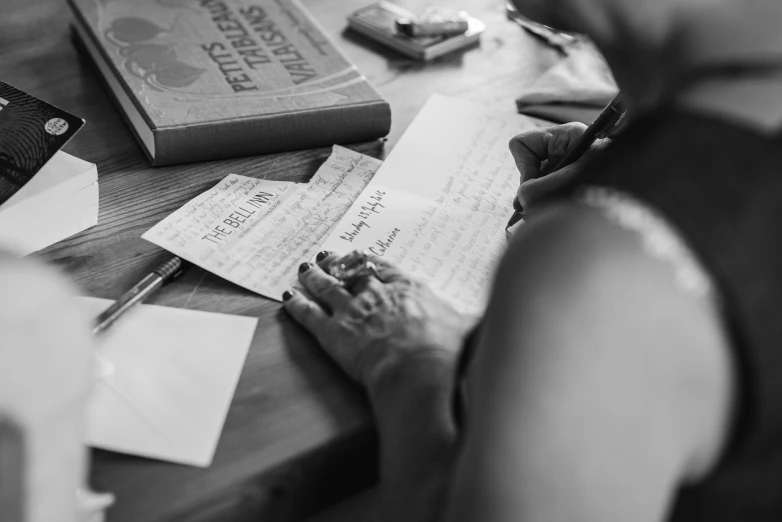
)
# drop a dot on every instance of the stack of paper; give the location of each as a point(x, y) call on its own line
point(59, 201)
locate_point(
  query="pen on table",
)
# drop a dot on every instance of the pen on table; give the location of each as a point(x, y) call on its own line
point(168, 271)
point(604, 125)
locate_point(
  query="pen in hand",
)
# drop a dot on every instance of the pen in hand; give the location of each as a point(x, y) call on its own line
point(168, 271)
point(604, 125)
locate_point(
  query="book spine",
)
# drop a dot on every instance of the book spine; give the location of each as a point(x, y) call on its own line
point(274, 133)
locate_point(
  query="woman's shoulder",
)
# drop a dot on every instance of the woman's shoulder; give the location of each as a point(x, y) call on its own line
point(602, 286)
point(602, 236)
point(605, 247)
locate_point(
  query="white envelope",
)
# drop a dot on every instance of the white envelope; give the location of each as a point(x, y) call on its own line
point(169, 381)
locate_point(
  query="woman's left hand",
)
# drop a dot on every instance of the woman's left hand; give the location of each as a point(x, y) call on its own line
point(393, 335)
point(377, 325)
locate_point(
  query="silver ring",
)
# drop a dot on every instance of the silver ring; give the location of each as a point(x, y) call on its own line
point(373, 271)
point(353, 266)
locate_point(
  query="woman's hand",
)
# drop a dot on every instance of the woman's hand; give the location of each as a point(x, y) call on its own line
point(393, 335)
point(374, 326)
point(536, 151)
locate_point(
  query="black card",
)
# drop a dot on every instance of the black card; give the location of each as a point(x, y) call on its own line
point(31, 132)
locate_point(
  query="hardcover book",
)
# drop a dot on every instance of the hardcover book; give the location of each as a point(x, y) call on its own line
point(209, 79)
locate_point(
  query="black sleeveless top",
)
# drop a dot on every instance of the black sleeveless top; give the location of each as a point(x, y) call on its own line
point(720, 185)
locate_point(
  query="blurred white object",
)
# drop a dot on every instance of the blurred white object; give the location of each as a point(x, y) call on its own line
point(45, 378)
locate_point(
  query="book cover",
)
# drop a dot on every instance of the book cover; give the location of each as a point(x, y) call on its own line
point(31, 132)
point(209, 79)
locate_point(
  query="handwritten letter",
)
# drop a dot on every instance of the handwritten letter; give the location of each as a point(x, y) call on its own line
point(261, 251)
point(439, 204)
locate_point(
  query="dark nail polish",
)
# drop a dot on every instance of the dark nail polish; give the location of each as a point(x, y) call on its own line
point(287, 294)
point(321, 255)
point(304, 267)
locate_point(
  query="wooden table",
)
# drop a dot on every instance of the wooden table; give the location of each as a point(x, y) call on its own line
point(298, 435)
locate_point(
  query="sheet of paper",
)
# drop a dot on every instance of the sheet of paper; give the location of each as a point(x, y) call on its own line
point(208, 226)
point(261, 248)
point(439, 204)
point(169, 381)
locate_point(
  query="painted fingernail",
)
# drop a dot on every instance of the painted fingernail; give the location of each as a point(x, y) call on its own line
point(304, 267)
point(287, 294)
point(322, 255)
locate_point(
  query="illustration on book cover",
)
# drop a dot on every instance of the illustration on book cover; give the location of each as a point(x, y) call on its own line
point(181, 52)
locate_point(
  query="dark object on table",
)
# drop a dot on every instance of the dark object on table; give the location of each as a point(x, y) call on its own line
point(434, 22)
point(379, 22)
point(31, 132)
point(166, 272)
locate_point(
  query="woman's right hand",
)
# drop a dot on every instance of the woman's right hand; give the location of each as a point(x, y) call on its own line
point(537, 150)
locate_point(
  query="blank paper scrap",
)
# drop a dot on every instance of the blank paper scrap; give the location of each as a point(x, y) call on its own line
point(170, 381)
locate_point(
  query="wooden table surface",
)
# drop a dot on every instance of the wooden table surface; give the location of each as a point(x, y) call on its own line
point(298, 435)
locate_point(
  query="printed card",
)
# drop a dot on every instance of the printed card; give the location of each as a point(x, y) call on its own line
point(31, 132)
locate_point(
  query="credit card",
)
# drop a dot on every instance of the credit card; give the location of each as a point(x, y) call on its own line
point(31, 132)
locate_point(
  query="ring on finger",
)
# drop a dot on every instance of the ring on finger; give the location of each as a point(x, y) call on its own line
point(370, 268)
point(354, 266)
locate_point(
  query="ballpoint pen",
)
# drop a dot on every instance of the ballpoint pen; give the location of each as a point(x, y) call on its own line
point(168, 271)
point(607, 122)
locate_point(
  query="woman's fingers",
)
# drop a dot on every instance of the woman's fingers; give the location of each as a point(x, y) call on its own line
point(325, 258)
point(368, 286)
point(530, 149)
point(534, 190)
point(388, 270)
point(326, 290)
point(536, 150)
point(307, 313)
point(333, 332)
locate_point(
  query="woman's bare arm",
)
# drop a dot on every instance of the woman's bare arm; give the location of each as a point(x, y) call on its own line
point(599, 384)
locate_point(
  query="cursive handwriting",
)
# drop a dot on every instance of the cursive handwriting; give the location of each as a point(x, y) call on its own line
point(255, 233)
point(380, 246)
point(350, 235)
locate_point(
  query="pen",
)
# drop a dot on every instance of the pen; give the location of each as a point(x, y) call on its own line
point(168, 271)
point(604, 125)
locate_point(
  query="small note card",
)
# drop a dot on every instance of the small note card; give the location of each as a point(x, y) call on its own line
point(254, 232)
